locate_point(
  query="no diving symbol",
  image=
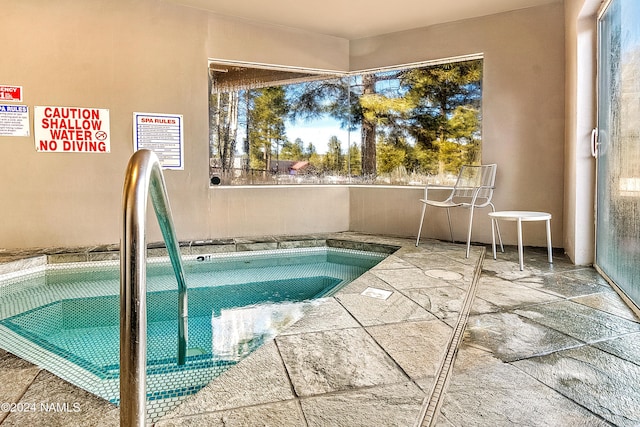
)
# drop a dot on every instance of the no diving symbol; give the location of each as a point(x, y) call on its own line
point(101, 135)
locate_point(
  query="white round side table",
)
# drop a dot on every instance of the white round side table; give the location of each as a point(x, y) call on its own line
point(520, 217)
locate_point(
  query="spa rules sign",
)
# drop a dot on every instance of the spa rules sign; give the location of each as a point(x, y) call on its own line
point(71, 129)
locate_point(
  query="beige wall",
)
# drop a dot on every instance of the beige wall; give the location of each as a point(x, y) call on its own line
point(259, 211)
point(142, 56)
point(234, 39)
point(523, 111)
point(118, 55)
point(396, 211)
point(579, 239)
point(151, 56)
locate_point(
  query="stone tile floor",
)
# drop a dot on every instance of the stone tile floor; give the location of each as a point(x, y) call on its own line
point(460, 342)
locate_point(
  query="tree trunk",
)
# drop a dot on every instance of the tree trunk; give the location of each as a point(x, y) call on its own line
point(232, 132)
point(368, 133)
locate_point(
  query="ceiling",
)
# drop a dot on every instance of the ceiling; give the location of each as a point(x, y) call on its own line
point(354, 19)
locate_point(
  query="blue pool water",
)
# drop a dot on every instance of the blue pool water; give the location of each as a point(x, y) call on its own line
point(66, 317)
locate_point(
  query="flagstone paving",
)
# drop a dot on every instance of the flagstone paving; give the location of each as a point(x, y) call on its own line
point(458, 342)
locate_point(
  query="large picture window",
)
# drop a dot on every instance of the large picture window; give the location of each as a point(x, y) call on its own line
point(400, 126)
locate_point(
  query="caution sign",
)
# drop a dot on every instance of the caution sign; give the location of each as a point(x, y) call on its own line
point(71, 129)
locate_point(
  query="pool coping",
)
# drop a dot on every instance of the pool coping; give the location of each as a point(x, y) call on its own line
point(14, 260)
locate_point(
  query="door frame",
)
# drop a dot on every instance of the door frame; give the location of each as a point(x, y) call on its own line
point(594, 151)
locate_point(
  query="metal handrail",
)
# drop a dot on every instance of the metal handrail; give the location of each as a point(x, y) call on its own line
point(143, 177)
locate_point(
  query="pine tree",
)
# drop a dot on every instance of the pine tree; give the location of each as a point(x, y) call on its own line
point(266, 125)
point(447, 99)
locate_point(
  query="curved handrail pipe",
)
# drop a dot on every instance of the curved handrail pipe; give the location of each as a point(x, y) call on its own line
point(143, 178)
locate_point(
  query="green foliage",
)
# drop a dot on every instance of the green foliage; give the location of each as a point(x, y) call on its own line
point(293, 151)
point(437, 107)
point(266, 124)
point(334, 159)
point(464, 124)
point(311, 150)
point(315, 99)
point(315, 160)
point(383, 110)
point(355, 160)
point(422, 121)
point(390, 157)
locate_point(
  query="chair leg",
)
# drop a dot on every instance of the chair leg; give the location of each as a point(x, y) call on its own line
point(424, 208)
point(469, 232)
point(449, 220)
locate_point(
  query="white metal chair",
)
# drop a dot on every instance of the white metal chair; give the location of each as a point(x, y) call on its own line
point(473, 189)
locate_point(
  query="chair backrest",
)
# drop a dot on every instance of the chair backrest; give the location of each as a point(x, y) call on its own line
point(469, 179)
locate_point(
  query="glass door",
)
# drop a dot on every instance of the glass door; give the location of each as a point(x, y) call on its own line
point(618, 146)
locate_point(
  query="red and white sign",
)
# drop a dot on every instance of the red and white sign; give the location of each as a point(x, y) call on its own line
point(71, 130)
point(10, 93)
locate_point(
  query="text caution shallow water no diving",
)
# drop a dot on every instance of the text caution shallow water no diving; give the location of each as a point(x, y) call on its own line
point(71, 129)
